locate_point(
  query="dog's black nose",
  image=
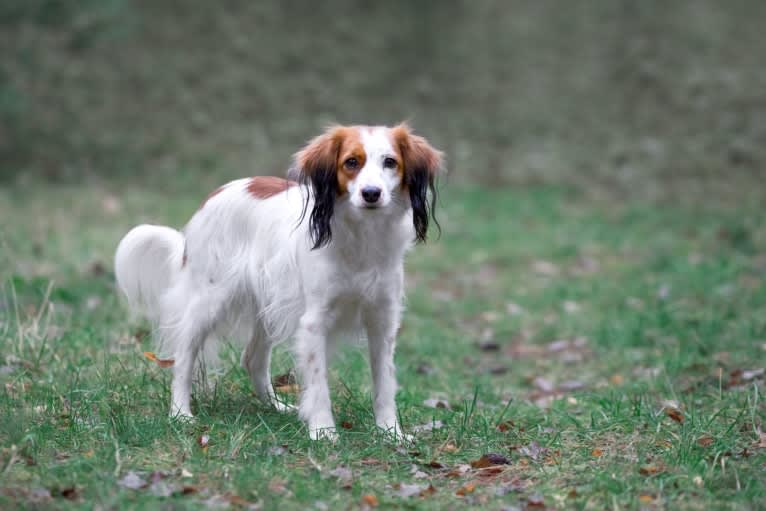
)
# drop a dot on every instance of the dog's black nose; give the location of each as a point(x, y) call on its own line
point(371, 194)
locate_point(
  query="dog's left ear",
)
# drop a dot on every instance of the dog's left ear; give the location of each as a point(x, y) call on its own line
point(316, 167)
point(421, 165)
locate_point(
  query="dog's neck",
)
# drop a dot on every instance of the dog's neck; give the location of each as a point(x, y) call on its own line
point(372, 237)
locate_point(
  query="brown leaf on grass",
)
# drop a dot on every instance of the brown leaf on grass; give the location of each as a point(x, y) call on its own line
point(490, 472)
point(705, 441)
point(346, 425)
point(490, 459)
point(740, 377)
point(675, 414)
point(466, 489)
point(597, 453)
point(458, 471)
point(436, 403)
point(535, 501)
point(287, 378)
point(162, 362)
point(435, 464)
point(645, 499)
point(650, 469)
point(428, 491)
point(293, 388)
point(505, 426)
point(450, 447)
point(370, 500)
point(616, 379)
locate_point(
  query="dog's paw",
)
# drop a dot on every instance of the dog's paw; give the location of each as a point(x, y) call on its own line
point(329, 434)
point(182, 416)
point(322, 429)
point(395, 434)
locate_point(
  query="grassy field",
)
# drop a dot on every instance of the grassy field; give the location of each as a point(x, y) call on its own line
point(610, 354)
point(588, 333)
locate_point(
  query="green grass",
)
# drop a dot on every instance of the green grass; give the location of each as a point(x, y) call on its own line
point(667, 304)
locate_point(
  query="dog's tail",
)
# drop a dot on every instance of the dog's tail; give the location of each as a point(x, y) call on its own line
point(148, 261)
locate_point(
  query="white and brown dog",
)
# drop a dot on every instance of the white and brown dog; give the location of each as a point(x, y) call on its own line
point(267, 259)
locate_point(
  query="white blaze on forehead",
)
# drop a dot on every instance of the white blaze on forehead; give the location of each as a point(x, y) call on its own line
point(376, 143)
point(377, 147)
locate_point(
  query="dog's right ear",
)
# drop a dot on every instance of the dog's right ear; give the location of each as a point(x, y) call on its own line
point(316, 167)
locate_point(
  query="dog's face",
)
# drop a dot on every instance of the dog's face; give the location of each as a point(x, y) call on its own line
point(373, 166)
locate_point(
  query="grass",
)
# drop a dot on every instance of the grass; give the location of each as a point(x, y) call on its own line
point(605, 348)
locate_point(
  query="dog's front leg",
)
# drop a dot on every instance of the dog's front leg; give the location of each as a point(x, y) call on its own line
point(382, 322)
point(311, 354)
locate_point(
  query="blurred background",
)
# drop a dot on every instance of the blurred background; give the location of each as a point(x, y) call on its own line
point(652, 100)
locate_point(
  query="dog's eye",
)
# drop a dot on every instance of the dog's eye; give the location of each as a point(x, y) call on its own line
point(351, 163)
point(389, 163)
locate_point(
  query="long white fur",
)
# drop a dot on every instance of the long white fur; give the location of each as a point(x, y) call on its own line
point(250, 272)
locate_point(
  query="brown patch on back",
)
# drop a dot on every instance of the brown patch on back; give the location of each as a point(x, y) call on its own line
point(210, 196)
point(263, 187)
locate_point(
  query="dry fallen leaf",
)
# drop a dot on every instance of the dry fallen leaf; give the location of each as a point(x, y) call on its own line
point(436, 403)
point(162, 362)
point(292, 388)
point(505, 426)
point(370, 500)
point(466, 489)
point(650, 469)
point(675, 414)
point(597, 453)
point(458, 471)
point(616, 379)
point(490, 459)
point(705, 441)
point(646, 499)
point(535, 501)
point(450, 447)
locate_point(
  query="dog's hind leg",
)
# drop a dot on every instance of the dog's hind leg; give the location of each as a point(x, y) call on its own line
point(186, 336)
point(257, 360)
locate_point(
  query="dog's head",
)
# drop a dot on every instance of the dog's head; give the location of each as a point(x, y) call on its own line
point(374, 167)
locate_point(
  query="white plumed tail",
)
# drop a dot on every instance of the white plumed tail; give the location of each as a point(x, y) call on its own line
point(148, 261)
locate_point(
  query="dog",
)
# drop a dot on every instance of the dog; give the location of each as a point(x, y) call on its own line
point(313, 258)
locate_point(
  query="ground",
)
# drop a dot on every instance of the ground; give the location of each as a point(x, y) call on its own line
point(606, 355)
